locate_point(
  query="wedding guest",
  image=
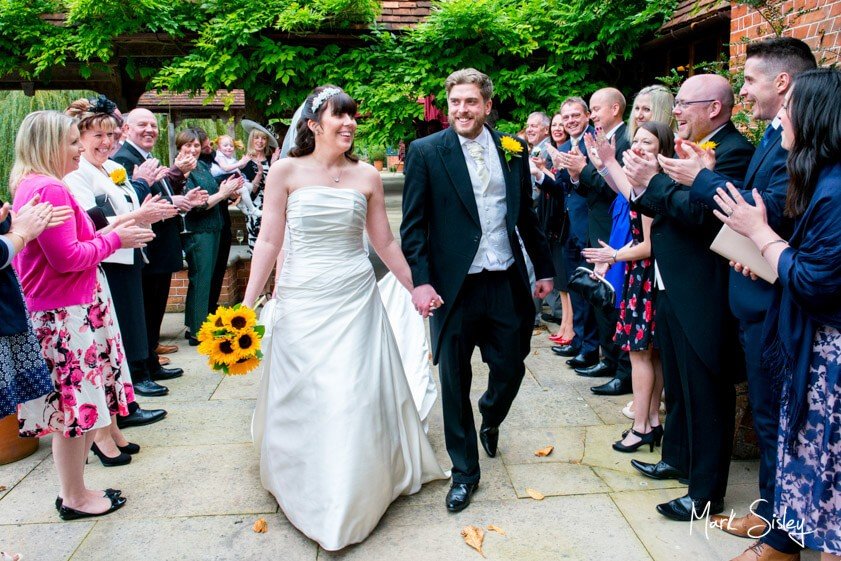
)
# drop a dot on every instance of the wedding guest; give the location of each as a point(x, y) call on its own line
point(225, 163)
point(555, 226)
point(636, 325)
point(259, 150)
point(695, 332)
point(652, 103)
point(23, 374)
point(802, 338)
point(607, 107)
point(204, 225)
point(101, 187)
point(164, 253)
point(770, 69)
point(70, 310)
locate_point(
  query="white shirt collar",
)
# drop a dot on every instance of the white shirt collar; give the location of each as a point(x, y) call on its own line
point(143, 152)
point(776, 122)
point(612, 131)
point(712, 134)
point(482, 139)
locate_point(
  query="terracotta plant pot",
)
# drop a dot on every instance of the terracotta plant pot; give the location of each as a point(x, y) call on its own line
point(399, 167)
point(13, 447)
point(378, 164)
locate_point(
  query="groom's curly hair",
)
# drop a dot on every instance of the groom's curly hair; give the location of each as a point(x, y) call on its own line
point(339, 104)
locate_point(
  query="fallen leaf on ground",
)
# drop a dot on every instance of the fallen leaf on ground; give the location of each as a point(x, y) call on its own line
point(497, 529)
point(2, 488)
point(261, 526)
point(534, 494)
point(474, 536)
point(543, 452)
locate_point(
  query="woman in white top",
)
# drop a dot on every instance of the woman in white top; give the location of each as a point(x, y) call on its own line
point(101, 186)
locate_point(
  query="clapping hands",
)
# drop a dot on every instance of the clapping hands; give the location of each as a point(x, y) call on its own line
point(150, 171)
point(692, 160)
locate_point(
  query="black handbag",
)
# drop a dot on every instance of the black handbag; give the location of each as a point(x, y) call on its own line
point(104, 203)
point(597, 291)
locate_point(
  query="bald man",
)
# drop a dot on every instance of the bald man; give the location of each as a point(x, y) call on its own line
point(163, 253)
point(696, 334)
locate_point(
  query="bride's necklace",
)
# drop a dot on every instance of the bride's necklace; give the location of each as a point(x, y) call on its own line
point(336, 178)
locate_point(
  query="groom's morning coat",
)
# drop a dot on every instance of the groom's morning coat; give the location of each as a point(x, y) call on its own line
point(441, 230)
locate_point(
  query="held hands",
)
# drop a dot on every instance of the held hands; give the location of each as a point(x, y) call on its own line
point(740, 216)
point(603, 254)
point(426, 300)
point(542, 288)
point(132, 237)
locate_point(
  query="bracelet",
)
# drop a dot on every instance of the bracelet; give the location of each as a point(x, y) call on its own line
point(615, 253)
point(769, 244)
point(22, 239)
point(604, 172)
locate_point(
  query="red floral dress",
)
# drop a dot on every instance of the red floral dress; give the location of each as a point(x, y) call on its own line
point(635, 328)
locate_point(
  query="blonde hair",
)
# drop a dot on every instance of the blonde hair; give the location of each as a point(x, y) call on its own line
point(254, 134)
point(39, 146)
point(662, 103)
point(217, 142)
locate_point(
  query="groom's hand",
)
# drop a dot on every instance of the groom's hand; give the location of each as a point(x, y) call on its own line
point(425, 299)
point(542, 288)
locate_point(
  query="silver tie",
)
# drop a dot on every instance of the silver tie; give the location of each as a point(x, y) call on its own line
point(478, 154)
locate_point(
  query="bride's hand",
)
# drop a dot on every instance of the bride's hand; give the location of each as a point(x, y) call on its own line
point(426, 299)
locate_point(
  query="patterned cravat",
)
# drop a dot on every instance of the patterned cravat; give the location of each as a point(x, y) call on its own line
point(478, 154)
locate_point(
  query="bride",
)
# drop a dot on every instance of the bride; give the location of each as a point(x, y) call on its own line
point(340, 436)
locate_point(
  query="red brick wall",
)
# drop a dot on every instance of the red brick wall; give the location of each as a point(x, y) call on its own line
point(397, 14)
point(820, 28)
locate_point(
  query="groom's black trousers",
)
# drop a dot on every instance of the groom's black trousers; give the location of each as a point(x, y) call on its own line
point(493, 311)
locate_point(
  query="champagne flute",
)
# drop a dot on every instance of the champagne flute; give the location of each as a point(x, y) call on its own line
point(240, 236)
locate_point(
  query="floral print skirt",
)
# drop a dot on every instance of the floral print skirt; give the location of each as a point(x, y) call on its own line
point(83, 350)
point(808, 493)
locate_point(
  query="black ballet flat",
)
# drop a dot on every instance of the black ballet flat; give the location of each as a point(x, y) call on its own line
point(108, 461)
point(130, 448)
point(66, 513)
point(110, 493)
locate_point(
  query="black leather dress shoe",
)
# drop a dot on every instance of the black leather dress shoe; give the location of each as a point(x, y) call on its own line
point(489, 437)
point(686, 509)
point(148, 388)
point(584, 360)
point(600, 369)
point(660, 470)
point(566, 350)
point(549, 318)
point(459, 496)
point(141, 417)
point(167, 373)
point(614, 387)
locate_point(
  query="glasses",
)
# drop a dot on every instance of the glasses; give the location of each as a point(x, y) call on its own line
point(682, 104)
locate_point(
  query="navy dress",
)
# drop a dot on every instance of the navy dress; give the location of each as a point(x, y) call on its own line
point(805, 345)
point(23, 373)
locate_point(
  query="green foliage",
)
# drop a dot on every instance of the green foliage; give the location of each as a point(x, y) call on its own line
point(536, 51)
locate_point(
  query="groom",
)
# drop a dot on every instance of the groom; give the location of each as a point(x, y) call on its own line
point(464, 200)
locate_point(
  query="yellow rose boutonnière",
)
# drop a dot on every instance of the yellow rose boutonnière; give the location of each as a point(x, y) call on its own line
point(118, 176)
point(511, 148)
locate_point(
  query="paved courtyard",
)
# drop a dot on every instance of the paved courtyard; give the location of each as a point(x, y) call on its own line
point(194, 491)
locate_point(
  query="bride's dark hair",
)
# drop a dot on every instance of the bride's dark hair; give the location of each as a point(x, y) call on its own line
point(339, 104)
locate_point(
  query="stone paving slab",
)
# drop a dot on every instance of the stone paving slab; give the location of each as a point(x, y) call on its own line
point(46, 542)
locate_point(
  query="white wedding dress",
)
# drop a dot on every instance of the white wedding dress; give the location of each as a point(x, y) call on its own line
point(336, 424)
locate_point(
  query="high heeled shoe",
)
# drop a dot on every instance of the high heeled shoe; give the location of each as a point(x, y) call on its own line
point(645, 438)
point(110, 493)
point(108, 461)
point(560, 340)
point(130, 448)
point(658, 434)
point(67, 513)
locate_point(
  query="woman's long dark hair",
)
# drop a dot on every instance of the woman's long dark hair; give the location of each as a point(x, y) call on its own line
point(816, 120)
point(664, 134)
point(339, 104)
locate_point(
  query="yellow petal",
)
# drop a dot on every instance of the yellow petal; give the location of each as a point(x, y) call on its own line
point(543, 452)
point(534, 494)
point(474, 536)
point(497, 529)
point(261, 526)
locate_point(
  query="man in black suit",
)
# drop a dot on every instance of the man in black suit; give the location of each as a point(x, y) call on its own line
point(164, 252)
point(467, 195)
point(696, 334)
point(770, 68)
point(607, 106)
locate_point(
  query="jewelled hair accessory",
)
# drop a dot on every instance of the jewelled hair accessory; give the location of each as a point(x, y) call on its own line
point(323, 96)
point(102, 104)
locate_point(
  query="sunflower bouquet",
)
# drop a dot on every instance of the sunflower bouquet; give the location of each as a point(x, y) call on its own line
point(230, 338)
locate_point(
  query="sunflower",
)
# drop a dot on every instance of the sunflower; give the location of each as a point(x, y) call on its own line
point(223, 351)
point(240, 318)
point(245, 343)
point(244, 366)
point(217, 320)
point(511, 147)
point(206, 346)
point(206, 330)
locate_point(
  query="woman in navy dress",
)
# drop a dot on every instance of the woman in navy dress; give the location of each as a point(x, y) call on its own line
point(803, 328)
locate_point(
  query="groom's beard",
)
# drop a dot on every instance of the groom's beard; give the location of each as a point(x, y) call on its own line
point(473, 130)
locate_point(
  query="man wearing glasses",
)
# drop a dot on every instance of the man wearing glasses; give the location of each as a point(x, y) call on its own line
point(696, 333)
